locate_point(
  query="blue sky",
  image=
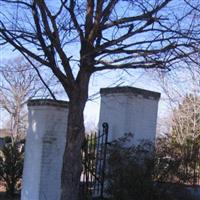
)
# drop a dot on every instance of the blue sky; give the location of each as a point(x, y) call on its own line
point(138, 78)
point(178, 82)
point(135, 78)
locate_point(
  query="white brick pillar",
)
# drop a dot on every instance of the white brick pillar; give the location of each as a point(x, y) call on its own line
point(129, 109)
point(45, 143)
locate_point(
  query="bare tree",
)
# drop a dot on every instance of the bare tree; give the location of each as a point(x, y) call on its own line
point(109, 35)
point(186, 119)
point(175, 86)
point(19, 83)
point(185, 134)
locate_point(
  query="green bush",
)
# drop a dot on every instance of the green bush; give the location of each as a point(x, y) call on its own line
point(11, 166)
point(138, 172)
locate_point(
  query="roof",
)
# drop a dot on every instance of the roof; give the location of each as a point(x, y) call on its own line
point(48, 102)
point(137, 91)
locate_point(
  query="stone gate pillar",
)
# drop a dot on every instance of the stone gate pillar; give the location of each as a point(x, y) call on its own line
point(45, 143)
point(129, 109)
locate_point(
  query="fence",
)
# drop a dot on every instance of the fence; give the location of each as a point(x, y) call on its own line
point(94, 165)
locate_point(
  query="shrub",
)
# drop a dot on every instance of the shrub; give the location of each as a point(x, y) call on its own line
point(11, 166)
point(138, 172)
point(130, 168)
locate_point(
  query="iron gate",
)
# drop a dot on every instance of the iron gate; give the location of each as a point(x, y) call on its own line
point(94, 164)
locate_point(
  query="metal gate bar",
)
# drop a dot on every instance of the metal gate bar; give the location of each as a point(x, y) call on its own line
point(94, 153)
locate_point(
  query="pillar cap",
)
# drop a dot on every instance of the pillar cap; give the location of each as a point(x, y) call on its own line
point(133, 90)
point(48, 102)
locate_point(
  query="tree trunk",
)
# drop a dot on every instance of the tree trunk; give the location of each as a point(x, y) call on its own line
point(72, 165)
